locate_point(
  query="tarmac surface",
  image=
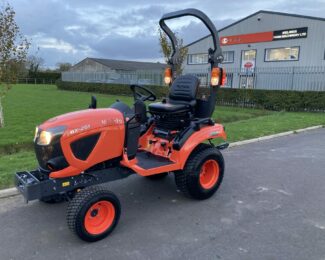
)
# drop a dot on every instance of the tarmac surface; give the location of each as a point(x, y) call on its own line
point(271, 205)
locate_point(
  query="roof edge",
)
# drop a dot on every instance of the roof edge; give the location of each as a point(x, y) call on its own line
point(260, 11)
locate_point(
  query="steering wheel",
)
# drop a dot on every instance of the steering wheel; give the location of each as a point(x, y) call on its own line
point(148, 95)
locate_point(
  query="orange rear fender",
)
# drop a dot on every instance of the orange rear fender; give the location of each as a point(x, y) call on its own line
point(206, 133)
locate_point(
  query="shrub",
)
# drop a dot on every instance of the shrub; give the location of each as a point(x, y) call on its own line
point(266, 99)
point(104, 88)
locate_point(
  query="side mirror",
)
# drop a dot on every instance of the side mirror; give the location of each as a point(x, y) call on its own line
point(93, 103)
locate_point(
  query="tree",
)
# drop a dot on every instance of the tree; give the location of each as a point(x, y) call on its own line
point(64, 66)
point(13, 51)
point(166, 49)
point(34, 64)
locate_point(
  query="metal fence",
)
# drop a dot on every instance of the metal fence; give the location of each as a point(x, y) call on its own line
point(34, 81)
point(277, 78)
point(123, 77)
point(285, 78)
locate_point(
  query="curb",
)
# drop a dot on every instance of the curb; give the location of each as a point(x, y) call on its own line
point(263, 138)
point(8, 193)
point(13, 191)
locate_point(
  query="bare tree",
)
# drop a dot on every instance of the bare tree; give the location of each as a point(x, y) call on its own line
point(34, 63)
point(64, 66)
point(13, 51)
point(166, 49)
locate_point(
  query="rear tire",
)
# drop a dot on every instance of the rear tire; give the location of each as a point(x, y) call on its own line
point(202, 174)
point(157, 177)
point(93, 213)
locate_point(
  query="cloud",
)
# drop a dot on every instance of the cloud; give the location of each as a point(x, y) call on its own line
point(68, 31)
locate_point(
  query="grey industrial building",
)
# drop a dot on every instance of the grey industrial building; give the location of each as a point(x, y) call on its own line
point(116, 71)
point(268, 50)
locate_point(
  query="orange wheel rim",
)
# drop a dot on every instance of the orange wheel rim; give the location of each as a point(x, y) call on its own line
point(99, 217)
point(209, 174)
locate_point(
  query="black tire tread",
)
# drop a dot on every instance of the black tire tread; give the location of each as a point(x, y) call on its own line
point(184, 178)
point(80, 199)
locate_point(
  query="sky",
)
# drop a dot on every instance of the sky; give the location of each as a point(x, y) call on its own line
point(71, 30)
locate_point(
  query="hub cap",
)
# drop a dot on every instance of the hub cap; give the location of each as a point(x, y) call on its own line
point(209, 174)
point(99, 217)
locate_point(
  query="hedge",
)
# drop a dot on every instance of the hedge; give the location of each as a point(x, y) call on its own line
point(266, 99)
point(47, 75)
point(112, 89)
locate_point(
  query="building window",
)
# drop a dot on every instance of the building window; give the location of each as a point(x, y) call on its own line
point(197, 58)
point(282, 54)
point(228, 56)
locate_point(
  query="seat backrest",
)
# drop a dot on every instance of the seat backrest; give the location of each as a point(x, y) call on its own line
point(184, 89)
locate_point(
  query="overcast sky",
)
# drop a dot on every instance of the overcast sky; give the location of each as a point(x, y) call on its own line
point(70, 30)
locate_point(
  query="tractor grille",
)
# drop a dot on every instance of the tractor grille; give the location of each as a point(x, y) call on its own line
point(46, 152)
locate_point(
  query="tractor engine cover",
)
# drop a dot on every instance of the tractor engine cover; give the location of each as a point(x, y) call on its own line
point(71, 143)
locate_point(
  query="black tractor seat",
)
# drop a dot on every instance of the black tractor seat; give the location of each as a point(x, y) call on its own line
point(182, 96)
point(177, 111)
point(162, 107)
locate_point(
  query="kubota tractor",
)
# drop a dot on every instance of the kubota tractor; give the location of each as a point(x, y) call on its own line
point(78, 152)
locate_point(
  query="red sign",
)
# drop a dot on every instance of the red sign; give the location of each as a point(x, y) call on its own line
point(247, 38)
point(265, 36)
point(248, 65)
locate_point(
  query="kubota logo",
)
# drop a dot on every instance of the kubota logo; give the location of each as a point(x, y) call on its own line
point(224, 40)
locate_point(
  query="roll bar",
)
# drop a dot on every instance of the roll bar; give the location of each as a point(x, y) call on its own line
point(215, 55)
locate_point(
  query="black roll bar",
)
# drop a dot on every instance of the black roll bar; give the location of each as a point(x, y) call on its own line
point(215, 55)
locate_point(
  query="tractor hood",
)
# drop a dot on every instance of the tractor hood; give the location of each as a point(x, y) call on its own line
point(85, 120)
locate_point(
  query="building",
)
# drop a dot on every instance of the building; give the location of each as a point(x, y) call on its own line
point(269, 50)
point(115, 71)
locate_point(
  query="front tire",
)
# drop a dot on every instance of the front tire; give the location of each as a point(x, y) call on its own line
point(202, 174)
point(93, 213)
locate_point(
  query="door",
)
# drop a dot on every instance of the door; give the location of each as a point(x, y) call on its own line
point(247, 67)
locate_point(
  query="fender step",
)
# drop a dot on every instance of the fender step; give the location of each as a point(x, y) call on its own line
point(222, 146)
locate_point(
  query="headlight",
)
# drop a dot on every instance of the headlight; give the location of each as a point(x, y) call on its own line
point(45, 137)
point(36, 133)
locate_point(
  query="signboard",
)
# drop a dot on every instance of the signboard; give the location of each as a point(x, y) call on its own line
point(290, 34)
point(286, 34)
point(249, 64)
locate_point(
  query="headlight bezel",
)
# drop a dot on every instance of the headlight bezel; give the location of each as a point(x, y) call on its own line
point(46, 137)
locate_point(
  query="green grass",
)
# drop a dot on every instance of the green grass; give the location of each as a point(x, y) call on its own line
point(272, 124)
point(11, 163)
point(26, 106)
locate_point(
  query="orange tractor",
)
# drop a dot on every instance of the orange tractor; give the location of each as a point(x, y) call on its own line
point(78, 152)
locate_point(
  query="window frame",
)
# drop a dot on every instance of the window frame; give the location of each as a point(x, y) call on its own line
point(241, 57)
point(266, 49)
point(188, 55)
point(228, 62)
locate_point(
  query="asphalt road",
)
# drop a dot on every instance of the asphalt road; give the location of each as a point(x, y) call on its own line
point(271, 205)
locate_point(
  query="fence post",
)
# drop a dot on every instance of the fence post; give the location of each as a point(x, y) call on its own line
point(292, 78)
point(1, 115)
